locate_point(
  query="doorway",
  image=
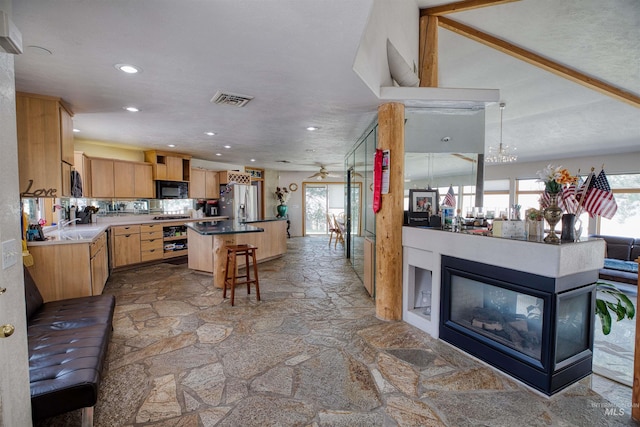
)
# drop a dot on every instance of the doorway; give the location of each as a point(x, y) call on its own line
point(320, 200)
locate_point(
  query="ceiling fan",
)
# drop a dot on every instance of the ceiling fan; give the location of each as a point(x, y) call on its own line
point(322, 174)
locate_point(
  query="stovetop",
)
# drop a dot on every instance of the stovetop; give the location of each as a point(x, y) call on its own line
point(160, 218)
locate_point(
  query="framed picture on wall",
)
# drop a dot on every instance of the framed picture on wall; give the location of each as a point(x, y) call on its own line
point(423, 203)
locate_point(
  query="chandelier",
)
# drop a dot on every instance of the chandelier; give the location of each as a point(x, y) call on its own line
point(501, 153)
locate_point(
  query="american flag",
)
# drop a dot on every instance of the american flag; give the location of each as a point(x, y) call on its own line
point(449, 198)
point(599, 199)
point(569, 199)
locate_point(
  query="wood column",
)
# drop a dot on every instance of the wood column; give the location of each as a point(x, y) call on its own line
point(635, 391)
point(390, 218)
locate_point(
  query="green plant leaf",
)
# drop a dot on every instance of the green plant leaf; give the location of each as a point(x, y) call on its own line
point(603, 314)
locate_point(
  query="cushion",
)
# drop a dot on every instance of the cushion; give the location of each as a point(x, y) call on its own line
point(635, 251)
point(616, 264)
point(32, 295)
point(618, 247)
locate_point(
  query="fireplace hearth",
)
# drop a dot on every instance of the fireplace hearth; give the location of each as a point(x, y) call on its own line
point(537, 329)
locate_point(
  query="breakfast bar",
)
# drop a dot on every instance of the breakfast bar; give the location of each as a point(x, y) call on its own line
point(207, 240)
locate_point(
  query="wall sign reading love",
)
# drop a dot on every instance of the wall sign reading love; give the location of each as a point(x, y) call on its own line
point(40, 192)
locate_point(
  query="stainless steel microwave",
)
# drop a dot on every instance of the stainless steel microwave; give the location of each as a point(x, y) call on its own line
point(172, 190)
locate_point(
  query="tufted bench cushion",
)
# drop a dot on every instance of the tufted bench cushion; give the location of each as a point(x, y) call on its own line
point(68, 343)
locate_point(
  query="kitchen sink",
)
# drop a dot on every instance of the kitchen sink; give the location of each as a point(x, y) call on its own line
point(74, 233)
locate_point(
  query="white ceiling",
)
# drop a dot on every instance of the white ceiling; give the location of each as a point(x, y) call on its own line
point(295, 57)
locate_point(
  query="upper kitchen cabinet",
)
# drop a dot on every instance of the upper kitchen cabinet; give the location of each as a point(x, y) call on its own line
point(120, 178)
point(168, 166)
point(204, 184)
point(45, 145)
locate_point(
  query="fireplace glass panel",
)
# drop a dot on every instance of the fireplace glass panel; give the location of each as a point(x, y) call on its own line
point(573, 325)
point(511, 318)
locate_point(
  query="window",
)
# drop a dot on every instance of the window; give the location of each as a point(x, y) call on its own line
point(626, 221)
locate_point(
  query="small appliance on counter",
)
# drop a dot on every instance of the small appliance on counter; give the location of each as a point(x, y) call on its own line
point(211, 208)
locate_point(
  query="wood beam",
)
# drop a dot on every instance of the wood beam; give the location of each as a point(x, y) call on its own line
point(390, 218)
point(461, 6)
point(540, 61)
point(428, 59)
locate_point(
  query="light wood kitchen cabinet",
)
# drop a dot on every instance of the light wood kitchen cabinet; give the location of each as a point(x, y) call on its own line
point(126, 245)
point(120, 178)
point(102, 178)
point(99, 260)
point(151, 242)
point(82, 165)
point(204, 184)
point(168, 166)
point(143, 181)
point(45, 142)
point(70, 270)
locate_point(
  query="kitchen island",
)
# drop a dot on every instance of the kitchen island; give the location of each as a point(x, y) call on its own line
point(207, 240)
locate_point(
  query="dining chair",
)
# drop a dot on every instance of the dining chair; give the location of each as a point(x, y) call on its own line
point(331, 227)
point(339, 226)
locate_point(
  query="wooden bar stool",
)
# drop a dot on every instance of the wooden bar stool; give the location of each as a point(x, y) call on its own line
point(231, 277)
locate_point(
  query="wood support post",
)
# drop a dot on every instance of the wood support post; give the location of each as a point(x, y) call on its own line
point(428, 58)
point(635, 392)
point(391, 216)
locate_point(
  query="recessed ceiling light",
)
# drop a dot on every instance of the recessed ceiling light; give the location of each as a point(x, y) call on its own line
point(128, 68)
point(76, 130)
point(310, 150)
point(312, 128)
point(407, 180)
point(131, 109)
point(210, 133)
point(171, 145)
point(218, 154)
point(253, 160)
point(227, 146)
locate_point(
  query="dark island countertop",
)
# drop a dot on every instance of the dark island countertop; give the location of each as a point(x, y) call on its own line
point(273, 218)
point(222, 227)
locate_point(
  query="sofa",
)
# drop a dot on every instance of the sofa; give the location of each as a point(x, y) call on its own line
point(68, 343)
point(619, 261)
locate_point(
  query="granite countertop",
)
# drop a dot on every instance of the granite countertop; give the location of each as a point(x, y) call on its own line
point(222, 227)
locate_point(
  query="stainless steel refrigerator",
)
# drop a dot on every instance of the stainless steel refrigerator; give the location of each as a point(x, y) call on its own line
point(239, 202)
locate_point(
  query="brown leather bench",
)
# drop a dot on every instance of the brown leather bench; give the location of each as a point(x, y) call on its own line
point(68, 343)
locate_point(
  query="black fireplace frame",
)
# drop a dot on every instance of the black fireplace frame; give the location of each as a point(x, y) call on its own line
point(545, 375)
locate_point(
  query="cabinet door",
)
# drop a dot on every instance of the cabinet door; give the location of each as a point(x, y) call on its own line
point(212, 186)
point(174, 168)
point(66, 179)
point(143, 182)
point(102, 178)
point(99, 271)
point(66, 136)
point(38, 130)
point(123, 179)
point(127, 249)
point(197, 184)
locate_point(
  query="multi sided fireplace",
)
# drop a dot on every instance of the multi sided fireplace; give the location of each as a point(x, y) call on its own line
point(537, 329)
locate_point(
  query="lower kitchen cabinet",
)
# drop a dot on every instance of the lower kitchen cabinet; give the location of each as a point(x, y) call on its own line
point(150, 242)
point(125, 249)
point(70, 270)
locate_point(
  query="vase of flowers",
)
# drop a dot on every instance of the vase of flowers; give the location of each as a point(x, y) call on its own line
point(554, 177)
point(282, 195)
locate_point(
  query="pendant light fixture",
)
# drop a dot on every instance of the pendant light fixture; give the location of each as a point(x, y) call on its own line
point(502, 153)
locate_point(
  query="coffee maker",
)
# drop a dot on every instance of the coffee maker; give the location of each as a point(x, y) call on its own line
point(211, 207)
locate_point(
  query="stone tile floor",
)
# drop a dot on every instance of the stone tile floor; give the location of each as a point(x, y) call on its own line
point(311, 353)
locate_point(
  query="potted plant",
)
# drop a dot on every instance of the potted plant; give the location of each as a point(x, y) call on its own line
point(623, 307)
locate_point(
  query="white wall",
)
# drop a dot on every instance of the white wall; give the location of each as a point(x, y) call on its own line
point(396, 20)
point(15, 408)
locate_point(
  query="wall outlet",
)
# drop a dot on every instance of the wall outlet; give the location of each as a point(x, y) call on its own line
point(9, 253)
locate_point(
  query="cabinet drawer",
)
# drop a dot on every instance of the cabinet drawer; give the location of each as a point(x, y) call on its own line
point(150, 235)
point(146, 228)
point(147, 245)
point(126, 229)
point(151, 255)
point(97, 244)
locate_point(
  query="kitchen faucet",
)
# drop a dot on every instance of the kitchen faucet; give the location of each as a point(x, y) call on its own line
point(63, 224)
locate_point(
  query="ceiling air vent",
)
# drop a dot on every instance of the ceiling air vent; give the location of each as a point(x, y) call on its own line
point(231, 99)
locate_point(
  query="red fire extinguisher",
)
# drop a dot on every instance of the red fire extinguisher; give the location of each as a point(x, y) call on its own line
point(377, 181)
